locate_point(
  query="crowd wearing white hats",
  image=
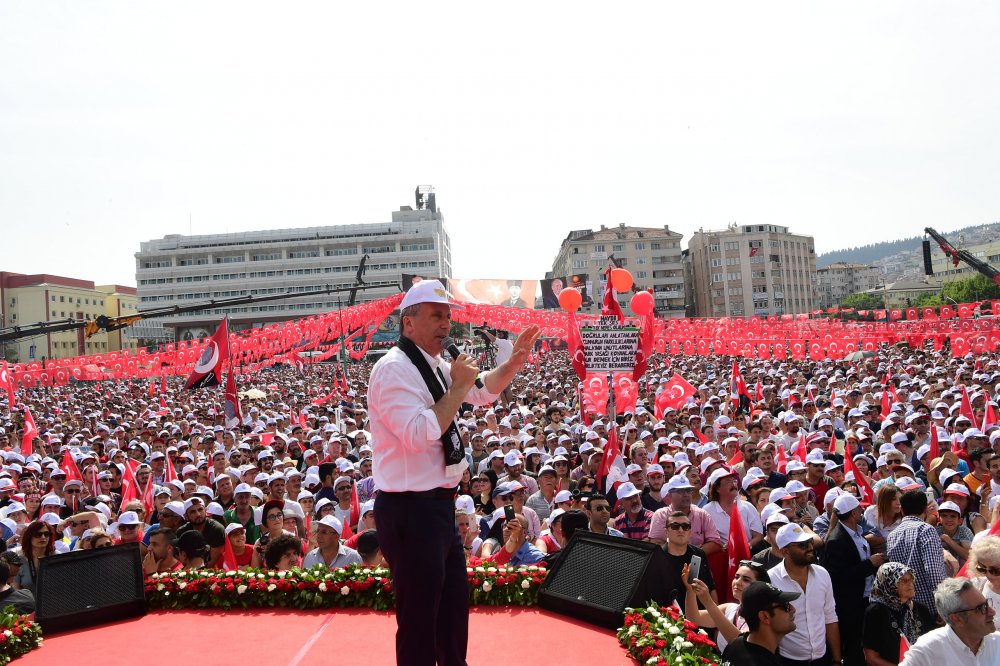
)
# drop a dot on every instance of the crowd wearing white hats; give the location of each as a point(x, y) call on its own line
point(895, 459)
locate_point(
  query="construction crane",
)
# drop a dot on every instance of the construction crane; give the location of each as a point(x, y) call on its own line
point(957, 255)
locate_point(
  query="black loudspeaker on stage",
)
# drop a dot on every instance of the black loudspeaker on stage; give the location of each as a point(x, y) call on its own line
point(598, 576)
point(85, 587)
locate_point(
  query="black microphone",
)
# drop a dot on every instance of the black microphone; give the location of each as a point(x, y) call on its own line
point(448, 343)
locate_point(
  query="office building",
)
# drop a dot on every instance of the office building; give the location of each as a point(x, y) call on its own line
point(651, 254)
point(32, 299)
point(837, 281)
point(187, 270)
point(751, 270)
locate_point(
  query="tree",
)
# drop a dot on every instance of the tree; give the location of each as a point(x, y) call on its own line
point(928, 300)
point(863, 301)
point(975, 288)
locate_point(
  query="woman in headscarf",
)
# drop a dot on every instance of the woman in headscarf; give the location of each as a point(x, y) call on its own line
point(892, 613)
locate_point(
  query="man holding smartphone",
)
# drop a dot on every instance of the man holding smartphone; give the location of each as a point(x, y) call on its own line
point(680, 553)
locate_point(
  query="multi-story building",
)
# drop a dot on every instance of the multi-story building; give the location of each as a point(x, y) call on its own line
point(651, 254)
point(946, 271)
point(753, 269)
point(186, 270)
point(838, 281)
point(32, 299)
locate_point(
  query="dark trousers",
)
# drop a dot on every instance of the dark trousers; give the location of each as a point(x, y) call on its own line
point(420, 542)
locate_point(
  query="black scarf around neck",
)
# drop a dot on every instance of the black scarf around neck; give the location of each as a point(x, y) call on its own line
point(454, 452)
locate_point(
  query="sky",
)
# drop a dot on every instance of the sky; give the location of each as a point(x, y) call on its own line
point(853, 122)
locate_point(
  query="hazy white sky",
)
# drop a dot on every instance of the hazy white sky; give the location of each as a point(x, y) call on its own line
point(855, 122)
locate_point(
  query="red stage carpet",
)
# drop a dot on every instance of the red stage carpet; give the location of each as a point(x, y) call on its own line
point(307, 638)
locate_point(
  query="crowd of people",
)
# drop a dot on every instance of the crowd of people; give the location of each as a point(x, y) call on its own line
point(844, 565)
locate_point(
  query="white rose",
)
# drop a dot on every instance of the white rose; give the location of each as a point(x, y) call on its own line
point(271, 587)
point(633, 630)
point(181, 574)
point(241, 589)
point(480, 570)
point(492, 570)
point(652, 660)
point(345, 590)
point(687, 645)
point(487, 587)
point(159, 587)
point(525, 584)
point(182, 585)
point(322, 587)
point(673, 629)
point(678, 642)
point(281, 574)
point(259, 576)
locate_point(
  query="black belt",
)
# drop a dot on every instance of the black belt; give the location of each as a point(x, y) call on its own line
point(436, 493)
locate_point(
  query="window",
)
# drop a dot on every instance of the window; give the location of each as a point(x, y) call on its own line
point(732, 245)
point(732, 261)
point(618, 247)
point(62, 299)
point(416, 247)
point(716, 263)
point(733, 277)
point(380, 249)
point(230, 259)
point(654, 246)
point(640, 246)
point(273, 256)
point(161, 263)
point(716, 277)
point(341, 251)
point(303, 254)
point(579, 263)
point(640, 274)
point(599, 248)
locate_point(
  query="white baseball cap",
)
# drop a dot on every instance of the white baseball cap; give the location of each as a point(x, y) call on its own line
point(427, 291)
point(789, 534)
point(628, 489)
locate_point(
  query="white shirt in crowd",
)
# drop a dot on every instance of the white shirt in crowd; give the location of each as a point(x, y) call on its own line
point(814, 609)
point(942, 646)
point(749, 515)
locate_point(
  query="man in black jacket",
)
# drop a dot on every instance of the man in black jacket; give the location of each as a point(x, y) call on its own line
point(852, 568)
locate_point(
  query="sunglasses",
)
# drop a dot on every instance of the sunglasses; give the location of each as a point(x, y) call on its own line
point(127, 528)
point(993, 571)
point(680, 526)
point(785, 606)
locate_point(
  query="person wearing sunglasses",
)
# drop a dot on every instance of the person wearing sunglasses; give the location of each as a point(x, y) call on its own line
point(984, 567)
point(815, 639)
point(38, 541)
point(679, 553)
point(769, 616)
point(969, 636)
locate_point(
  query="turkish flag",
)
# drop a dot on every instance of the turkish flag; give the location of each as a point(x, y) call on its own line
point(611, 465)
point(738, 392)
point(610, 304)
point(7, 382)
point(626, 392)
point(798, 349)
point(966, 311)
point(231, 406)
point(966, 408)
point(935, 451)
point(30, 433)
point(912, 313)
point(674, 394)
point(781, 460)
point(595, 393)
point(867, 495)
point(575, 344)
point(208, 368)
point(738, 546)
point(229, 557)
point(947, 312)
point(645, 347)
point(355, 505)
point(989, 417)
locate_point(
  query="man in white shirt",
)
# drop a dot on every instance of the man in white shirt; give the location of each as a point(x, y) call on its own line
point(816, 638)
point(969, 638)
point(414, 397)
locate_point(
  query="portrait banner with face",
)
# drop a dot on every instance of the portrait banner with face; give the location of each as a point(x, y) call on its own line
point(508, 293)
point(550, 292)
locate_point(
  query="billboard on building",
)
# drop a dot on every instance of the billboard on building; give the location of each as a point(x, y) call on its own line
point(509, 293)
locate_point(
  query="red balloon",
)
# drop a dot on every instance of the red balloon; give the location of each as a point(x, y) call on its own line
point(642, 303)
point(570, 300)
point(621, 279)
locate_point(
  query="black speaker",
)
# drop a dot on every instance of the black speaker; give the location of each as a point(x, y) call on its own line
point(86, 587)
point(597, 576)
point(928, 269)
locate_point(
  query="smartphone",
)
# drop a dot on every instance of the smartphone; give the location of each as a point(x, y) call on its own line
point(930, 495)
point(508, 512)
point(695, 568)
